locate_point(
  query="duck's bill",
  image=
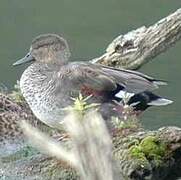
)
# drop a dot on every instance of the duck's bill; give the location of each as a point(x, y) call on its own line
point(26, 59)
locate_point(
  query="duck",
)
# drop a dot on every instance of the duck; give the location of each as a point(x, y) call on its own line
point(51, 81)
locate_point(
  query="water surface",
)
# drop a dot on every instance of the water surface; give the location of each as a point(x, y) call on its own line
point(89, 26)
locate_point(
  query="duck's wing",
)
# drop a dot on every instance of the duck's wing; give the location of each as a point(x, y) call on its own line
point(102, 78)
point(134, 81)
point(149, 78)
point(82, 75)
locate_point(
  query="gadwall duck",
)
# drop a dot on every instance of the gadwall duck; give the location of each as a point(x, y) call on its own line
point(51, 81)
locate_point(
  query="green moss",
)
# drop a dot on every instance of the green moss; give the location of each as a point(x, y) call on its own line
point(136, 152)
point(152, 147)
point(149, 149)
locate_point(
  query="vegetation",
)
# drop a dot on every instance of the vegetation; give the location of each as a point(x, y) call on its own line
point(149, 149)
point(87, 150)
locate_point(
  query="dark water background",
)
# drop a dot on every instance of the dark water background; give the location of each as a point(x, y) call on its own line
point(89, 26)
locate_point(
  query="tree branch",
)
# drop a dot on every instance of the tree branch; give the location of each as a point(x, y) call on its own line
point(137, 47)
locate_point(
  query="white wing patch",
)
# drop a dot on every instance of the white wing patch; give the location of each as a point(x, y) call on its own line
point(123, 94)
point(160, 102)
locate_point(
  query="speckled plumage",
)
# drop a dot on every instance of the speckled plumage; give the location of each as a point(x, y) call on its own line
point(39, 91)
point(49, 84)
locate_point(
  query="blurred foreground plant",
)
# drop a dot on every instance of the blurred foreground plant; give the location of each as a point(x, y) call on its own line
point(91, 152)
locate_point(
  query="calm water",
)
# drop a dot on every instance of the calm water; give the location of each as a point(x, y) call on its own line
point(89, 26)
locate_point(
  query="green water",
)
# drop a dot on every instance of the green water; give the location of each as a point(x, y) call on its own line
point(89, 26)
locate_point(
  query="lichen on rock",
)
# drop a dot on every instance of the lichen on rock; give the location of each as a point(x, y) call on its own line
point(149, 149)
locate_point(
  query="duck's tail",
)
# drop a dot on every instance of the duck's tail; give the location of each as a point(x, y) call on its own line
point(142, 101)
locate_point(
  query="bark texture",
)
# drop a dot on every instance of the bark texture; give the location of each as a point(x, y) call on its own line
point(137, 47)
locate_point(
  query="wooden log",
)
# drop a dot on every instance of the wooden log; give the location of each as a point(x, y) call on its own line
point(137, 47)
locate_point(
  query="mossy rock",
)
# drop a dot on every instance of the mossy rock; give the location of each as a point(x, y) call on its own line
point(149, 149)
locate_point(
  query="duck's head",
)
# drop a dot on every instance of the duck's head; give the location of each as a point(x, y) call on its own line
point(47, 48)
